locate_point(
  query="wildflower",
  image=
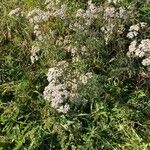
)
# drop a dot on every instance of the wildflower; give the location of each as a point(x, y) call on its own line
point(61, 12)
point(121, 29)
point(108, 31)
point(133, 30)
point(84, 78)
point(83, 50)
point(35, 49)
point(33, 58)
point(132, 34)
point(134, 27)
point(122, 13)
point(15, 12)
point(64, 109)
point(36, 11)
point(139, 53)
point(146, 62)
point(132, 46)
point(140, 50)
point(114, 1)
point(55, 91)
point(36, 27)
point(145, 45)
point(109, 12)
point(53, 74)
point(143, 24)
point(47, 2)
point(72, 49)
point(80, 13)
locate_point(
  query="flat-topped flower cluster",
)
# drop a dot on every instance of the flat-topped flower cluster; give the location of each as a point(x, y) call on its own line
point(141, 49)
point(55, 22)
point(62, 93)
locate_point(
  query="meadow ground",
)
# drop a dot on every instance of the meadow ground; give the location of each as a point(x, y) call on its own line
point(75, 75)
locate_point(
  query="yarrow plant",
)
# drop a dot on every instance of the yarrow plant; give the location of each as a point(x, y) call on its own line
point(59, 94)
point(141, 50)
point(133, 31)
point(16, 12)
point(56, 92)
point(75, 74)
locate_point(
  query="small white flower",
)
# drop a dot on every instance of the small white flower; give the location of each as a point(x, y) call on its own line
point(33, 58)
point(15, 12)
point(109, 12)
point(56, 93)
point(47, 2)
point(129, 54)
point(40, 38)
point(54, 73)
point(113, 1)
point(132, 34)
point(121, 29)
point(80, 13)
point(122, 13)
point(64, 109)
point(145, 45)
point(37, 19)
point(134, 28)
point(37, 33)
point(139, 53)
point(146, 62)
point(84, 78)
point(132, 46)
point(34, 50)
point(143, 24)
point(36, 27)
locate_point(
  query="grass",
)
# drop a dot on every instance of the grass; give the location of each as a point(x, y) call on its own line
point(114, 108)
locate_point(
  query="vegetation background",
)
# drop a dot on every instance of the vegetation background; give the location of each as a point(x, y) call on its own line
point(117, 114)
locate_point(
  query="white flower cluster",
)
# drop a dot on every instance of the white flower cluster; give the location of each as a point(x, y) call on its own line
point(77, 51)
point(146, 62)
point(63, 88)
point(108, 31)
point(37, 15)
point(122, 13)
point(56, 92)
point(134, 29)
point(16, 12)
point(114, 1)
point(34, 50)
point(38, 33)
point(85, 17)
point(71, 46)
point(84, 78)
point(51, 4)
point(91, 12)
point(77, 26)
point(54, 9)
point(141, 50)
point(61, 12)
point(110, 14)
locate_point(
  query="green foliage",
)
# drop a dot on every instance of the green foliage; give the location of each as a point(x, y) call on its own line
point(114, 113)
